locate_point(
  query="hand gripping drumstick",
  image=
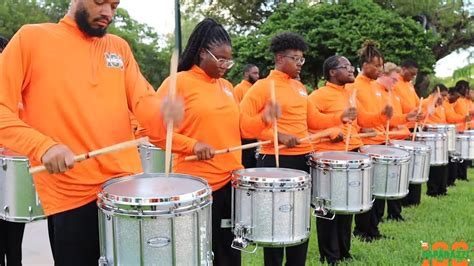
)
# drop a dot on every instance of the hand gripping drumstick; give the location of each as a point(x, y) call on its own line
point(315, 136)
point(416, 123)
point(429, 113)
point(275, 125)
point(92, 154)
point(352, 104)
point(172, 94)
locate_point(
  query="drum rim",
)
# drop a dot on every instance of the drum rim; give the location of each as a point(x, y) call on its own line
point(365, 160)
point(14, 158)
point(150, 147)
point(239, 180)
point(431, 135)
point(398, 144)
point(378, 157)
point(465, 136)
point(116, 200)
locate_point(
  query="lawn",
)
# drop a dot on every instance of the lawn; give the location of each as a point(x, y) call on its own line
point(447, 219)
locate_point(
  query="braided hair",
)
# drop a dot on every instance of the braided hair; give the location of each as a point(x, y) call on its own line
point(206, 34)
point(330, 63)
point(368, 52)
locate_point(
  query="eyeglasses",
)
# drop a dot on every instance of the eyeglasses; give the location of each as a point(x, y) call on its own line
point(347, 67)
point(298, 60)
point(227, 63)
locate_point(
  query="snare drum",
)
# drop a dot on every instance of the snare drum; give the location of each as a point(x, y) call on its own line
point(152, 158)
point(448, 129)
point(390, 170)
point(419, 168)
point(149, 218)
point(465, 145)
point(272, 207)
point(437, 142)
point(18, 198)
point(342, 181)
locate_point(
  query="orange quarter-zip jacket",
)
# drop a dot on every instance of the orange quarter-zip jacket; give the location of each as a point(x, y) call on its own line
point(211, 116)
point(408, 97)
point(78, 91)
point(297, 114)
point(241, 89)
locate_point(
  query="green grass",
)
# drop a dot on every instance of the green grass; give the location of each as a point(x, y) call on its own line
point(447, 219)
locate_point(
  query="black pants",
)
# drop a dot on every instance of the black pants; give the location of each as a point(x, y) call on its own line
point(394, 209)
point(462, 169)
point(74, 236)
point(334, 238)
point(224, 254)
point(414, 195)
point(366, 224)
point(437, 181)
point(295, 255)
point(248, 156)
point(452, 172)
point(11, 237)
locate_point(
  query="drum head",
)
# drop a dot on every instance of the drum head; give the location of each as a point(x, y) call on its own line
point(410, 145)
point(270, 177)
point(383, 151)
point(430, 136)
point(150, 189)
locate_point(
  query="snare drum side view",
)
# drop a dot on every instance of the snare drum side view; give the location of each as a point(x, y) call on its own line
point(152, 158)
point(19, 201)
point(151, 219)
point(465, 146)
point(342, 182)
point(271, 207)
point(437, 142)
point(390, 170)
point(419, 167)
point(448, 129)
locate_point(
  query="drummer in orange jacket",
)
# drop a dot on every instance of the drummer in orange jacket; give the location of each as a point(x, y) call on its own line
point(463, 107)
point(439, 110)
point(298, 115)
point(334, 236)
point(251, 75)
point(77, 85)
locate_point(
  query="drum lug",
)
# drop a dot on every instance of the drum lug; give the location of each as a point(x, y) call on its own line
point(240, 242)
point(103, 261)
point(320, 211)
point(210, 258)
point(30, 211)
point(4, 164)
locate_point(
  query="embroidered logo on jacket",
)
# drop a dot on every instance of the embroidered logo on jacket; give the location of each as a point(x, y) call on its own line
point(113, 60)
point(302, 92)
point(228, 91)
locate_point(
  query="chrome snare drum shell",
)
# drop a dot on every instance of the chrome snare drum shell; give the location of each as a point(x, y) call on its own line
point(342, 182)
point(19, 200)
point(271, 207)
point(390, 170)
point(419, 167)
point(149, 218)
point(152, 158)
point(438, 144)
point(465, 145)
point(448, 129)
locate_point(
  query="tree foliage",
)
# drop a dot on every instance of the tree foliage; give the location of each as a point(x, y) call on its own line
point(337, 29)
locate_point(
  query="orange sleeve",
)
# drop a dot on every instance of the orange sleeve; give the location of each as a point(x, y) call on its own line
point(143, 101)
point(238, 93)
point(181, 143)
point(14, 74)
point(366, 118)
point(451, 116)
point(318, 120)
point(251, 108)
point(398, 118)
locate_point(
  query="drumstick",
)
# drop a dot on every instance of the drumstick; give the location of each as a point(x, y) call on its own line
point(372, 134)
point(349, 130)
point(92, 154)
point(169, 128)
point(275, 125)
point(416, 123)
point(318, 135)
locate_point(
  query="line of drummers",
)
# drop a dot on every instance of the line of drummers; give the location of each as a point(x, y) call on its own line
point(381, 142)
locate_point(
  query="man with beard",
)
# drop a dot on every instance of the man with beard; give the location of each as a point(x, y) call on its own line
point(78, 86)
point(251, 75)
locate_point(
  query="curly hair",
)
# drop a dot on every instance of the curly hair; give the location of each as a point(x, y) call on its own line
point(206, 34)
point(287, 40)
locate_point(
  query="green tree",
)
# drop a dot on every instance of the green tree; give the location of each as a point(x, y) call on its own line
point(337, 29)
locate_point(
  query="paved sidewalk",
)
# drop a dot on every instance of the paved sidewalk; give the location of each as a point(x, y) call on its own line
point(36, 248)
